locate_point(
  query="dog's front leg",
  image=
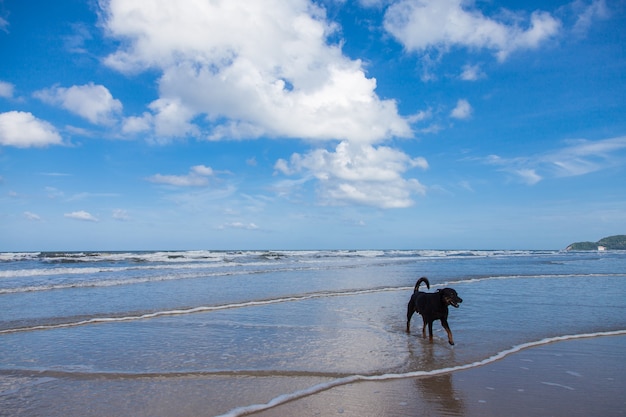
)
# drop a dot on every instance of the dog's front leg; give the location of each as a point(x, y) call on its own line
point(444, 323)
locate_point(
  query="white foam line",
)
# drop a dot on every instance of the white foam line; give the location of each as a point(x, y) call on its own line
point(42, 272)
point(142, 280)
point(281, 399)
point(110, 283)
point(553, 384)
point(510, 277)
point(201, 309)
point(540, 276)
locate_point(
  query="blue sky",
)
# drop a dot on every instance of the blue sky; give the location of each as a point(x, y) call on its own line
point(238, 124)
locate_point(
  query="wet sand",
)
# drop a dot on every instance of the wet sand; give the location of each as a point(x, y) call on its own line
point(582, 377)
point(585, 377)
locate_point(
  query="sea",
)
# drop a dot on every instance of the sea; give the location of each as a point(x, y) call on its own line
point(228, 333)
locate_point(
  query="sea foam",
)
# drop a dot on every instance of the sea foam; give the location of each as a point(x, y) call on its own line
point(284, 398)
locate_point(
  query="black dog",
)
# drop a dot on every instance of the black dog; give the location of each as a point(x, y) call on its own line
point(432, 306)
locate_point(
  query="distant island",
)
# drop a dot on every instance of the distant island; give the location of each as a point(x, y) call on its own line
point(617, 242)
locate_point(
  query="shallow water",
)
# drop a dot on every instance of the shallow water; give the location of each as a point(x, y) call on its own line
point(216, 331)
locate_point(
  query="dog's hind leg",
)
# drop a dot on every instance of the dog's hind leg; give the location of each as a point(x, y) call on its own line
point(409, 313)
point(444, 323)
point(424, 328)
point(430, 330)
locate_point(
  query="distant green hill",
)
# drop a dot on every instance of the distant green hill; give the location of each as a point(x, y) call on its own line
point(617, 242)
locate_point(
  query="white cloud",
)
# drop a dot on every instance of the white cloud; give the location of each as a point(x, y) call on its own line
point(528, 176)
point(359, 174)
point(81, 215)
point(137, 124)
point(588, 14)
point(122, 215)
point(463, 110)
point(579, 157)
point(85, 195)
point(23, 130)
point(172, 118)
point(466, 185)
point(90, 101)
point(198, 176)
point(583, 156)
point(54, 193)
point(6, 89)
point(252, 68)
point(55, 174)
point(239, 225)
point(202, 170)
point(420, 116)
point(472, 73)
point(441, 24)
point(75, 42)
point(372, 3)
point(31, 216)
point(283, 166)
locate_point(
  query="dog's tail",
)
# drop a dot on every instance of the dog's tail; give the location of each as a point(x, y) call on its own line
point(419, 281)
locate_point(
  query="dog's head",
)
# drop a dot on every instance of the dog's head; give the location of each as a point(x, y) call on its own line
point(450, 297)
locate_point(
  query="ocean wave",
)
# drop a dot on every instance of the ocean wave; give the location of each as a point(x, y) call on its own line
point(337, 378)
point(529, 276)
point(18, 256)
point(265, 261)
point(212, 256)
point(122, 256)
point(201, 272)
point(314, 389)
point(53, 263)
point(251, 303)
point(199, 309)
point(113, 282)
point(139, 257)
point(21, 273)
point(40, 272)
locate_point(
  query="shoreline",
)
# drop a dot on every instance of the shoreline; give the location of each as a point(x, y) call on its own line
point(573, 377)
point(583, 376)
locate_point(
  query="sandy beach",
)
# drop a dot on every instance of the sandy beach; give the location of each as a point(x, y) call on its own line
point(572, 378)
point(583, 377)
